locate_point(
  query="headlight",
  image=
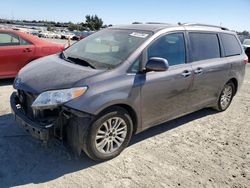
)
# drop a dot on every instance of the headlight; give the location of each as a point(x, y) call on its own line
point(51, 99)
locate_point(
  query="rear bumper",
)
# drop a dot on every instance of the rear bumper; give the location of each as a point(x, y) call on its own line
point(41, 132)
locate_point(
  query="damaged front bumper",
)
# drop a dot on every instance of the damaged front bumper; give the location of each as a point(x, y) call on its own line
point(36, 129)
point(66, 123)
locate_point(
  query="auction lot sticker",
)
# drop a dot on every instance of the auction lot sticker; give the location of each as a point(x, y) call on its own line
point(141, 35)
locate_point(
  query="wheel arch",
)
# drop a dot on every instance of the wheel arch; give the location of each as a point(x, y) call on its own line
point(131, 111)
point(235, 82)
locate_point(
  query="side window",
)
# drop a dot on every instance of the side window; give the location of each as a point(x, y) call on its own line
point(170, 47)
point(230, 44)
point(136, 65)
point(24, 42)
point(204, 46)
point(7, 39)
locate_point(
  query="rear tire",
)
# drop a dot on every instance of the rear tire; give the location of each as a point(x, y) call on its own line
point(109, 134)
point(226, 97)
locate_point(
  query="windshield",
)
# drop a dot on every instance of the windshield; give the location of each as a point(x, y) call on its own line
point(246, 42)
point(106, 49)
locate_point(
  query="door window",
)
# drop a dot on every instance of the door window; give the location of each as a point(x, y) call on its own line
point(24, 42)
point(170, 47)
point(136, 65)
point(7, 39)
point(204, 46)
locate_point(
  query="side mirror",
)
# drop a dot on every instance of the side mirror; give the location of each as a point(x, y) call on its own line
point(157, 64)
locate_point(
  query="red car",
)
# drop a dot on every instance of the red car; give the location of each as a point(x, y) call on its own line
point(18, 49)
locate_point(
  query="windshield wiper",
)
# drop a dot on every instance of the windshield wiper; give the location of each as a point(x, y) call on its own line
point(79, 61)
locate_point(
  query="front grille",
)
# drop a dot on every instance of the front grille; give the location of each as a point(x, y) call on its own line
point(26, 99)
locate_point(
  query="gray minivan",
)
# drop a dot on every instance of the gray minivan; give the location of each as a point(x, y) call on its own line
point(122, 80)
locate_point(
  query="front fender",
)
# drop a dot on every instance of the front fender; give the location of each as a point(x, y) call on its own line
point(103, 92)
point(94, 104)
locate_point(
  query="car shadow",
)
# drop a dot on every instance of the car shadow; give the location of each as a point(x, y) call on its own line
point(24, 160)
point(171, 124)
point(6, 82)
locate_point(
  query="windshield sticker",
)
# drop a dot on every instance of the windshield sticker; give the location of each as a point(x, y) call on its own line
point(141, 35)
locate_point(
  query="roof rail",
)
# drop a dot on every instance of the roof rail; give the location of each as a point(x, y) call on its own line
point(205, 25)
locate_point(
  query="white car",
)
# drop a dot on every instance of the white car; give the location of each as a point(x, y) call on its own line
point(43, 34)
point(246, 43)
point(57, 35)
point(67, 35)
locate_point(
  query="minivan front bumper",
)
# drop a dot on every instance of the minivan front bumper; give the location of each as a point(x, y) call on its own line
point(41, 132)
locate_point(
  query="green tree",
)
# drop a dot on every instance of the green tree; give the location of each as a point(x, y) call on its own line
point(49, 28)
point(246, 33)
point(73, 26)
point(93, 23)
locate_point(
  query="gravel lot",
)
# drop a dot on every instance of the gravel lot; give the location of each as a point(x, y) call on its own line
point(203, 149)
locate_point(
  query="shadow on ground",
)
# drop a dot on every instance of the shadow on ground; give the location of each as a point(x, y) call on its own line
point(23, 160)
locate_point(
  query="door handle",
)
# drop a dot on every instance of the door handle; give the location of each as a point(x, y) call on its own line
point(186, 73)
point(198, 71)
point(27, 50)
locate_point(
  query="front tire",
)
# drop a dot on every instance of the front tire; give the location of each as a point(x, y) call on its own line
point(109, 134)
point(226, 97)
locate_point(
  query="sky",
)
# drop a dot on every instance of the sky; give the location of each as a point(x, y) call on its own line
point(233, 14)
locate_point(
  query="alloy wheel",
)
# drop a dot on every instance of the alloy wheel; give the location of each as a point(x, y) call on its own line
point(226, 96)
point(111, 135)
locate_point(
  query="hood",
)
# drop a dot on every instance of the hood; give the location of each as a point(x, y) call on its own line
point(50, 73)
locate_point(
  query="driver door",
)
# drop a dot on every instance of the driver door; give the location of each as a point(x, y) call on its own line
point(165, 95)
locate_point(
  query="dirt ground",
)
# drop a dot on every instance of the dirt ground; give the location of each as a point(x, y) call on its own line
point(203, 149)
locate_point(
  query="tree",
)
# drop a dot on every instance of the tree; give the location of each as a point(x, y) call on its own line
point(246, 33)
point(73, 27)
point(49, 28)
point(93, 23)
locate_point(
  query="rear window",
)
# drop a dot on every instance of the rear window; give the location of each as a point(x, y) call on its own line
point(204, 46)
point(230, 44)
point(24, 42)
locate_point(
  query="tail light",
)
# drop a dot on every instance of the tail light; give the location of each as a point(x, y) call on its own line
point(245, 60)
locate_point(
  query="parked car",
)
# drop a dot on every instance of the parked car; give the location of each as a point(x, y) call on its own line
point(35, 33)
point(80, 35)
point(43, 34)
point(122, 80)
point(57, 35)
point(18, 49)
point(48, 34)
point(67, 35)
point(246, 45)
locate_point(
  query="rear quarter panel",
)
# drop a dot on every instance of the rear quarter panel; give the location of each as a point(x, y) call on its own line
point(238, 68)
